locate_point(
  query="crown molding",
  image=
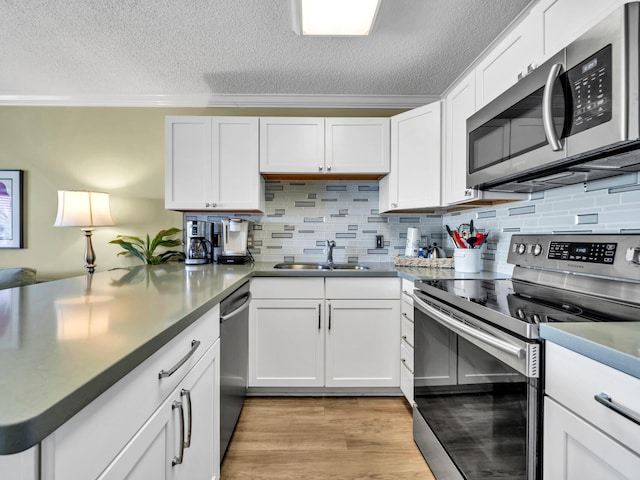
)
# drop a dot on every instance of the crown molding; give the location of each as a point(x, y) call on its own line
point(208, 100)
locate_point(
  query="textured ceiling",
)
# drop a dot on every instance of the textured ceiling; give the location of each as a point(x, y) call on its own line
point(111, 48)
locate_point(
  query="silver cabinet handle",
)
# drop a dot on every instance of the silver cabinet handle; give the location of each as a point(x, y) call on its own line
point(319, 316)
point(329, 168)
point(329, 316)
point(320, 168)
point(605, 400)
point(394, 205)
point(187, 393)
point(407, 317)
point(404, 337)
point(404, 363)
point(177, 460)
point(547, 109)
point(457, 326)
point(167, 373)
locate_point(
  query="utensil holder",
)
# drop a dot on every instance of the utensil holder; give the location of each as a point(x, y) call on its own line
point(468, 260)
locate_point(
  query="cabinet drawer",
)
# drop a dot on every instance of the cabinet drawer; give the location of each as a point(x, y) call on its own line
point(407, 288)
point(290, 287)
point(407, 331)
point(406, 383)
point(407, 311)
point(363, 288)
point(406, 357)
point(573, 380)
point(75, 450)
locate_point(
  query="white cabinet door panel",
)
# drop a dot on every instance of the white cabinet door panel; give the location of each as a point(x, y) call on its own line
point(362, 348)
point(575, 450)
point(291, 145)
point(357, 145)
point(286, 341)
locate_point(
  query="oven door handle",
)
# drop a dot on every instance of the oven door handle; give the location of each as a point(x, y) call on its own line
point(486, 338)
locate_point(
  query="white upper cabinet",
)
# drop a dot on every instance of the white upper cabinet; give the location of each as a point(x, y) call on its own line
point(499, 69)
point(460, 105)
point(357, 145)
point(414, 179)
point(336, 146)
point(236, 183)
point(563, 21)
point(211, 164)
point(187, 162)
point(291, 145)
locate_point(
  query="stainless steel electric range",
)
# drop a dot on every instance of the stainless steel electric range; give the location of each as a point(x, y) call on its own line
point(479, 366)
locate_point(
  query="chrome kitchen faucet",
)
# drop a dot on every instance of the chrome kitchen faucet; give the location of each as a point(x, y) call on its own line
point(330, 246)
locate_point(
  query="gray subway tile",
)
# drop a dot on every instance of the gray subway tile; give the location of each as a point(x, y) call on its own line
point(281, 235)
point(313, 219)
point(586, 218)
point(486, 214)
point(346, 235)
point(526, 210)
point(304, 203)
point(336, 188)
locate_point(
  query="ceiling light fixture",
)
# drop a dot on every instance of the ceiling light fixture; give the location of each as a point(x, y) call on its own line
point(334, 17)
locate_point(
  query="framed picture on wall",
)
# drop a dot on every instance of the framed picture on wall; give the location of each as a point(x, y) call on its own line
point(11, 221)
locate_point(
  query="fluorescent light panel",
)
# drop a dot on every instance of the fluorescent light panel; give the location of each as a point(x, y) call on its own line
point(338, 17)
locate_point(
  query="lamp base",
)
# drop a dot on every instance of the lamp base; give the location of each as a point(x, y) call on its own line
point(89, 254)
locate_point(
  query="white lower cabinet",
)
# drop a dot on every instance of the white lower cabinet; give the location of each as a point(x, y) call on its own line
point(178, 441)
point(131, 431)
point(320, 341)
point(406, 340)
point(359, 349)
point(583, 438)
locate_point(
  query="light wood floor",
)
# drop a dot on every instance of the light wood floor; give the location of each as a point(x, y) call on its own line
point(305, 438)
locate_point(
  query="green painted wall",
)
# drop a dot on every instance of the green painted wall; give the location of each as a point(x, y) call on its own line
point(110, 149)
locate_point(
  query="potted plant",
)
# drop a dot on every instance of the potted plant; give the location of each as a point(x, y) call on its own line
point(145, 250)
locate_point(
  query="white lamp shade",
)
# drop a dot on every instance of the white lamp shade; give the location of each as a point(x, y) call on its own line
point(79, 208)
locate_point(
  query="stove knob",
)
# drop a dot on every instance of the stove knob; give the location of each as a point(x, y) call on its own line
point(537, 249)
point(521, 248)
point(520, 313)
point(536, 318)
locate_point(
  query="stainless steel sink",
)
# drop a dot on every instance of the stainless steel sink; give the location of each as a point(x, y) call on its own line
point(302, 266)
point(320, 266)
point(349, 266)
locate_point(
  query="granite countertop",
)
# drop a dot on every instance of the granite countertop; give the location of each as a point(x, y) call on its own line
point(52, 364)
point(616, 344)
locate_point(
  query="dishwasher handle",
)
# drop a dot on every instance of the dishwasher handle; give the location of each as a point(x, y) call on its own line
point(244, 306)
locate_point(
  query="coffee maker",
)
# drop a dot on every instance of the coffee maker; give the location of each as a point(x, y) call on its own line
point(198, 247)
point(235, 235)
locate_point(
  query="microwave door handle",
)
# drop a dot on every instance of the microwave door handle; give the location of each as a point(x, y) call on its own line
point(547, 108)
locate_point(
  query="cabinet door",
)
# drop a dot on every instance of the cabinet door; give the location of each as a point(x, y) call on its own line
point(291, 145)
point(414, 179)
point(152, 451)
point(357, 145)
point(500, 68)
point(461, 104)
point(362, 343)
point(236, 183)
point(576, 450)
point(558, 32)
point(187, 162)
point(286, 343)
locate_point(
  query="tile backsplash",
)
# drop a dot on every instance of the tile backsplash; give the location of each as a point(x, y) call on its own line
point(302, 215)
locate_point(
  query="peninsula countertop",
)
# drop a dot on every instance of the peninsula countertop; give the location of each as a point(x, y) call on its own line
point(64, 342)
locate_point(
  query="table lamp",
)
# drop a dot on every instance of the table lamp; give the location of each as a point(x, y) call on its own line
point(80, 208)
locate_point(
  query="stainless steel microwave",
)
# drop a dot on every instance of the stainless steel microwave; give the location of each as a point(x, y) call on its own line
point(574, 118)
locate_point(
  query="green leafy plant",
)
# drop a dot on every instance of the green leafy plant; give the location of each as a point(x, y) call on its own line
point(145, 250)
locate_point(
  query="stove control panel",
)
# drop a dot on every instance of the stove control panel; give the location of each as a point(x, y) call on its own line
point(583, 251)
point(610, 255)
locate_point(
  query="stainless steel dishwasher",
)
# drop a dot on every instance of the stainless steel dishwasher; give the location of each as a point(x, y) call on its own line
point(234, 351)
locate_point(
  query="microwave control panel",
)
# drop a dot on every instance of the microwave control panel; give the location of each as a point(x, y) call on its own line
point(590, 84)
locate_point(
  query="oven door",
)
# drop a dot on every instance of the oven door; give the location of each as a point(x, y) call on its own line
point(477, 396)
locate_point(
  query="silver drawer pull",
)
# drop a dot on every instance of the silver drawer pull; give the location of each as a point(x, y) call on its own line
point(605, 400)
point(404, 337)
point(187, 393)
point(407, 317)
point(404, 362)
point(167, 373)
point(177, 460)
